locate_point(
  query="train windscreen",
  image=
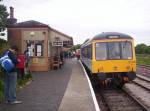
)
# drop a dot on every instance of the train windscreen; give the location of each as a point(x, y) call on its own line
point(126, 50)
point(101, 52)
point(113, 50)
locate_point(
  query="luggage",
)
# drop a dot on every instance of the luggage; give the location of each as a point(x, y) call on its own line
point(6, 62)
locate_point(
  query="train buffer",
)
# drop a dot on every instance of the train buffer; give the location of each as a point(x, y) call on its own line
point(65, 89)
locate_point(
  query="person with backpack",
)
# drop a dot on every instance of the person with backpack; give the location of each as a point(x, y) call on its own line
point(10, 77)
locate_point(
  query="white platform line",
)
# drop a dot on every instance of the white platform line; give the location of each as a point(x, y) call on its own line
point(92, 91)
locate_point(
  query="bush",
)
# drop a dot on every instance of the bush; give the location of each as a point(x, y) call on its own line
point(28, 75)
point(1, 90)
point(3, 46)
point(23, 81)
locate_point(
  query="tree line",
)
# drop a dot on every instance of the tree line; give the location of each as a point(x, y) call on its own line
point(142, 49)
point(3, 16)
point(139, 48)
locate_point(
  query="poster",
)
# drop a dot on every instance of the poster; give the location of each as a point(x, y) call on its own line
point(35, 60)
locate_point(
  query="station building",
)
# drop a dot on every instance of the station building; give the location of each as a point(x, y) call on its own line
point(42, 41)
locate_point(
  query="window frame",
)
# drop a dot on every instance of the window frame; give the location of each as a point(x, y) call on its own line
point(120, 49)
point(33, 50)
point(106, 52)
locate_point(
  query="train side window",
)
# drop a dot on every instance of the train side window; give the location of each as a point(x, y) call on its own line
point(88, 52)
point(91, 52)
point(126, 50)
point(101, 52)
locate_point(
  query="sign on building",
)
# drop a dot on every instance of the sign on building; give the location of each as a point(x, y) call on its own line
point(57, 43)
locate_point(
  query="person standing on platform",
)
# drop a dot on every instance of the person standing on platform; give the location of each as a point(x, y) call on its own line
point(10, 78)
point(61, 59)
point(27, 60)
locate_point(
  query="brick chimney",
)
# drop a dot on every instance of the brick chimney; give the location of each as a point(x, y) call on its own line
point(11, 12)
point(11, 20)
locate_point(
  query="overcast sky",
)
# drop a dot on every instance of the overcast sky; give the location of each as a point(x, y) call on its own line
point(84, 19)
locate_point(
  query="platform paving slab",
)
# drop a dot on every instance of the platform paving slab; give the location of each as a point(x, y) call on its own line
point(45, 93)
point(78, 95)
point(65, 89)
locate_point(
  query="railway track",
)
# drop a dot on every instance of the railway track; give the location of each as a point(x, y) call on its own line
point(142, 82)
point(143, 68)
point(146, 66)
point(117, 100)
point(139, 89)
point(113, 99)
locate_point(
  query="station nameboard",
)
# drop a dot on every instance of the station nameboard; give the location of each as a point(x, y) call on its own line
point(57, 43)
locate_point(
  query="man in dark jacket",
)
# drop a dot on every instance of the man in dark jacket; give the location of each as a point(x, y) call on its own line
point(10, 80)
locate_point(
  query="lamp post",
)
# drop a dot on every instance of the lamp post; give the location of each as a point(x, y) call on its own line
point(32, 34)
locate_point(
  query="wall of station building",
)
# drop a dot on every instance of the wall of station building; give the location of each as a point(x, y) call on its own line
point(54, 36)
point(36, 41)
point(39, 42)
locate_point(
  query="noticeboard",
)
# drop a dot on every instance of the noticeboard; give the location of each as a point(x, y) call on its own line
point(35, 60)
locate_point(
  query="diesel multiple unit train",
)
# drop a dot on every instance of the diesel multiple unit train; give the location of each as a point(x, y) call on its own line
point(110, 56)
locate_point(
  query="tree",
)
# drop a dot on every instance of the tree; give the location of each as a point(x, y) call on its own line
point(142, 49)
point(3, 17)
point(73, 48)
point(148, 49)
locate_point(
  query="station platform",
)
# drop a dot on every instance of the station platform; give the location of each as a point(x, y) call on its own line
point(65, 89)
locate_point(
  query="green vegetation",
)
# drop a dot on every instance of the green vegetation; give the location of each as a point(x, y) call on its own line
point(73, 48)
point(3, 46)
point(1, 90)
point(143, 59)
point(142, 49)
point(20, 83)
point(143, 54)
point(3, 17)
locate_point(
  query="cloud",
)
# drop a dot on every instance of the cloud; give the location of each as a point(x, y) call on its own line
point(83, 19)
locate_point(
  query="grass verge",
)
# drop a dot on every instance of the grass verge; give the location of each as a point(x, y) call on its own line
point(143, 59)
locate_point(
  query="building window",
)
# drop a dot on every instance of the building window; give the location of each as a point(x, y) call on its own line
point(30, 45)
point(36, 48)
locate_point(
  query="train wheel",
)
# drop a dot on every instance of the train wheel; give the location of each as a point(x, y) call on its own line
point(102, 84)
point(118, 83)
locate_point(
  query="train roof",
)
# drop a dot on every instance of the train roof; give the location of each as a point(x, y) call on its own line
point(107, 35)
point(111, 35)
